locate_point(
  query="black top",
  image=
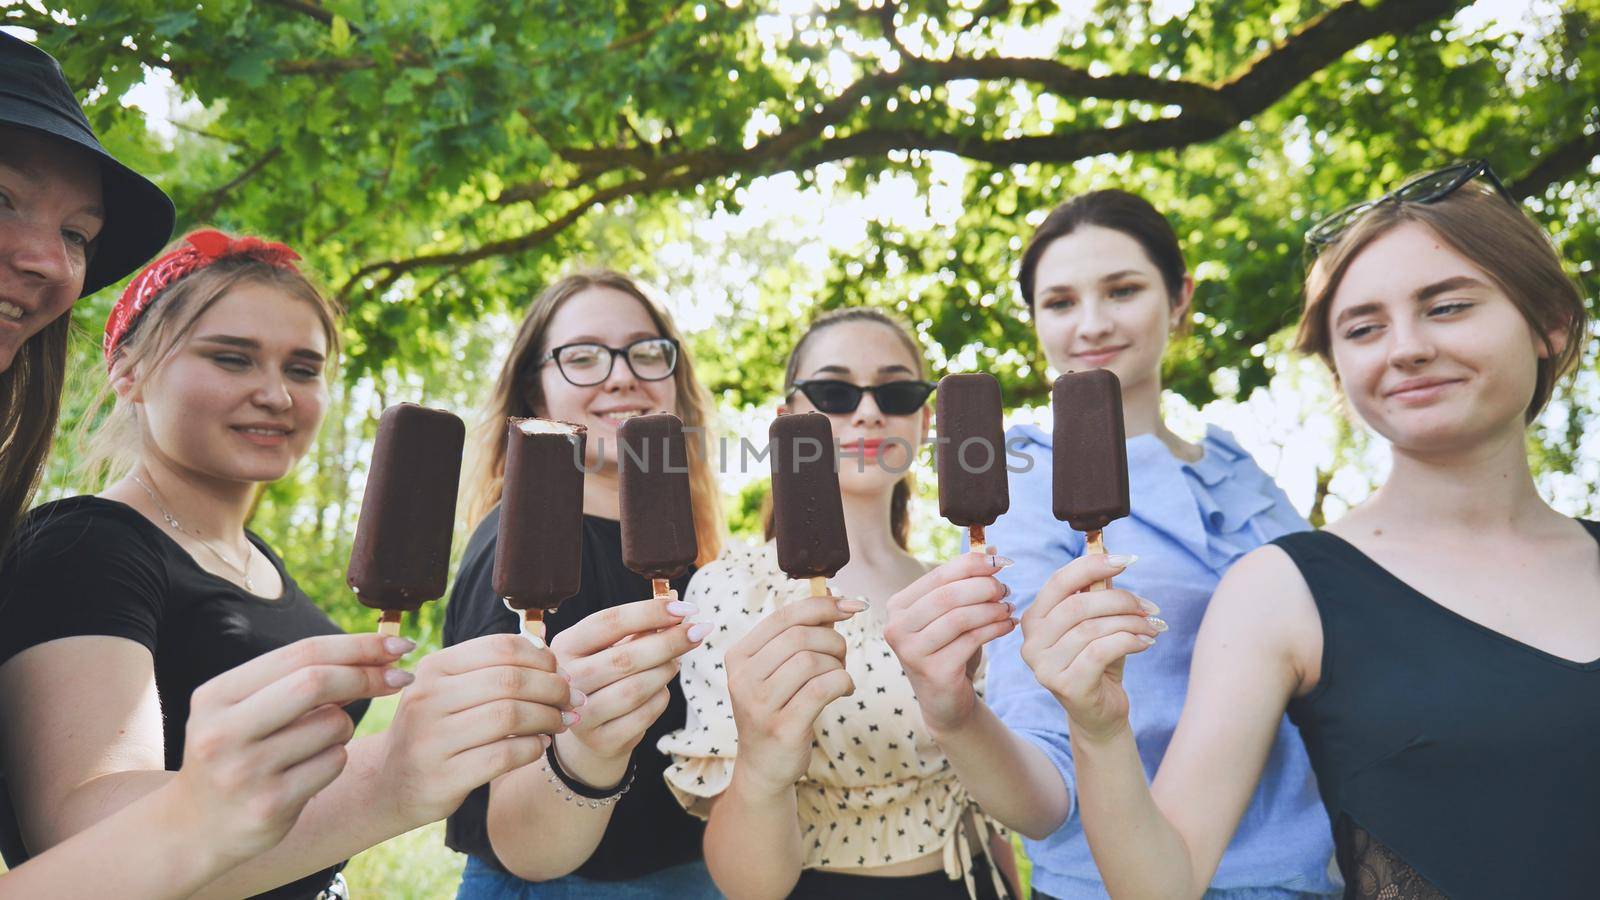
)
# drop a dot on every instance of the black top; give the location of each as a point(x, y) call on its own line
point(88, 566)
point(1454, 761)
point(648, 830)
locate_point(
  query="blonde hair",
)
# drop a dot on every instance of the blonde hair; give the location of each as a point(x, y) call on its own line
point(518, 394)
point(113, 447)
point(900, 499)
point(1495, 236)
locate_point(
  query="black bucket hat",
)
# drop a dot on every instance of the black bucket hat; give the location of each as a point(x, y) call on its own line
point(139, 216)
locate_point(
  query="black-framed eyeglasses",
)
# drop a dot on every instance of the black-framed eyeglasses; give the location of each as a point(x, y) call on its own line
point(1429, 187)
point(894, 398)
point(588, 364)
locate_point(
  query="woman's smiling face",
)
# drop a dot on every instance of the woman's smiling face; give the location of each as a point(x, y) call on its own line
point(1430, 352)
point(875, 449)
point(602, 315)
point(1100, 303)
point(50, 215)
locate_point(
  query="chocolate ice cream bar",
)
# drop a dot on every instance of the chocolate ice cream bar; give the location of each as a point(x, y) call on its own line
point(972, 455)
point(401, 555)
point(538, 559)
point(1090, 479)
point(658, 539)
point(807, 511)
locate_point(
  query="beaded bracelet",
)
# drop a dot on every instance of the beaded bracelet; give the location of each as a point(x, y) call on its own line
point(575, 791)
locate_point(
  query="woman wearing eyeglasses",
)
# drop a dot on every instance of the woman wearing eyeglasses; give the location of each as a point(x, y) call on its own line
point(805, 745)
point(594, 820)
point(1438, 647)
point(1106, 285)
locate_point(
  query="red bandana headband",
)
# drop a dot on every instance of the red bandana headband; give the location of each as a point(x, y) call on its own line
point(200, 250)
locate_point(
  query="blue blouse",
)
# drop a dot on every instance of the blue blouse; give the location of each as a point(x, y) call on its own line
point(1189, 523)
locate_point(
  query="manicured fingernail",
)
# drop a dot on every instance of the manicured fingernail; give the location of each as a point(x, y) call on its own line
point(1120, 561)
point(1146, 639)
point(397, 677)
point(399, 646)
point(1005, 589)
point(682, 608)
point(698, 632)
point(546, 740)
point(569, 718)
point(1000, 562)
point(1158, 624)
point(1010, 608)
point(579, 698)
point(564, 674)
point(1149, 608)
point(853, 606)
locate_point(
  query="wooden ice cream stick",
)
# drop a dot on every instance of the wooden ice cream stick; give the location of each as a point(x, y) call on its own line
point(1096, 544)
point(976, 540)
point(389, 623)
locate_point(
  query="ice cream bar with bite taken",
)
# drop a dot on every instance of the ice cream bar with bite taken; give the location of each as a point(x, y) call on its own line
point(1090, 479)
point(538, 559)
point(807, 511)
point(658, 539)
point(401, 555)
point(972, 454)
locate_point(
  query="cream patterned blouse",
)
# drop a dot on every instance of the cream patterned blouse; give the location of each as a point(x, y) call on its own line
point(878, 790)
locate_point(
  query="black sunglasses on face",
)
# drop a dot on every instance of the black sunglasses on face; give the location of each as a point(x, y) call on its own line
point(894, 398)
point(589, 364)
point(1429, 187)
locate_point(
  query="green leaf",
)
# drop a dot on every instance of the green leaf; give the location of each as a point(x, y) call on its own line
point(339, 34)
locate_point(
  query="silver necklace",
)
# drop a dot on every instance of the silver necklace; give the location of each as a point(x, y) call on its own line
point(244, 570)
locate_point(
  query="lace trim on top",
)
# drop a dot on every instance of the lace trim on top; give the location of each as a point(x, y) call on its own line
point(1374, 872)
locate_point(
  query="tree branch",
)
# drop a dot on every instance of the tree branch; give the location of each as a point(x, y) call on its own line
point(1207, 113)
point(393, 269)
point(307, 8)
point(1326, 39)
point(217, 197)
point(1557, 165)
point(886, 14)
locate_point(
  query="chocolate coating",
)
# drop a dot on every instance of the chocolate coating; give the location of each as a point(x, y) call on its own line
point(971, 450)
point(538, 557)
point(807, 511)
point(1090, 479)
point(658, 538)
point(401, 555)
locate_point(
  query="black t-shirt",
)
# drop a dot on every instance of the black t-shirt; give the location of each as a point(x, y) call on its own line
point(88, 566)
point(648, 830)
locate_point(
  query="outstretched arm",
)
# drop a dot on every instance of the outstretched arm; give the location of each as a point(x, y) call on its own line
point(938, 627)
point(1259, 641)
point(780, 677)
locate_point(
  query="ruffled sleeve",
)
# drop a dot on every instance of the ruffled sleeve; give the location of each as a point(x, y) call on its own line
point(1240, 507)
point(703, 750)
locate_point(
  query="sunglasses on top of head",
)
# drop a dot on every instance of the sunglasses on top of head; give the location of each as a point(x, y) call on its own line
point(836, 397)
point(1429, 187)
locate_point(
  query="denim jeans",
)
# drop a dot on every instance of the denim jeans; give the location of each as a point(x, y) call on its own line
point(689, 881)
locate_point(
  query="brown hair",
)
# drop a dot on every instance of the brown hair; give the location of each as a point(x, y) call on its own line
point(900, 500)
point(30, 403)
point(165, 322)
point(1495, 236)
point(518, 394)
point(1119, 211)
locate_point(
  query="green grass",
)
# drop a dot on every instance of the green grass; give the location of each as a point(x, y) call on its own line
point(414, 866)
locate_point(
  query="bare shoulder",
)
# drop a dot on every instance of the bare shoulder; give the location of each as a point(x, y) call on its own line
point(1263, 603)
